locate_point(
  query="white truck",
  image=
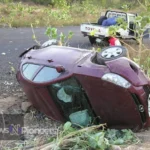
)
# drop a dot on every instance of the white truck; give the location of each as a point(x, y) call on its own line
point(101, 32)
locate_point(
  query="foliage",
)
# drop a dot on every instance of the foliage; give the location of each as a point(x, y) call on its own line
point(93, 137)
point(141, 21)
point(22, 14)
point(121, 24)
point(53, 34)
point(54, 12)
point(6, 1)
point(146, 65)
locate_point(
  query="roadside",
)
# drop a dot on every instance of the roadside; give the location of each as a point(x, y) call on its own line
point(23, 15)
point(34, 120)
point(11, 101)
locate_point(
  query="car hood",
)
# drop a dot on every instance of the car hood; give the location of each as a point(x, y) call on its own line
point(129, 70)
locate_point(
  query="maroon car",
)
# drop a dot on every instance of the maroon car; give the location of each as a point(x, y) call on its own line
point(86, 87)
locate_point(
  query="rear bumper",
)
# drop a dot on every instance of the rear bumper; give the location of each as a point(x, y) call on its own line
point(96, 36)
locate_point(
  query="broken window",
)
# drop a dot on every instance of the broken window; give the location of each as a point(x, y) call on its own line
point(73, 101)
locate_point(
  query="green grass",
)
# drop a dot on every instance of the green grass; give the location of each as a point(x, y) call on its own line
point(23, 15)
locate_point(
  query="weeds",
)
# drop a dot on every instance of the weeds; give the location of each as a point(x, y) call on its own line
point(93, 137)
point(20, 14)
point(52, 34)
point(61, 38)
point(138, 53)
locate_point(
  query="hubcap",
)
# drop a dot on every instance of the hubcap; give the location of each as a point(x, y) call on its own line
point(112, 52)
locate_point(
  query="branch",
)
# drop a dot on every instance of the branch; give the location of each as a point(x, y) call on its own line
point(128, 46)
point(142, 5)
point(34, 37)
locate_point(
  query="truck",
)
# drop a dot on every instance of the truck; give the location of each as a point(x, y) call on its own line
point(102, 32)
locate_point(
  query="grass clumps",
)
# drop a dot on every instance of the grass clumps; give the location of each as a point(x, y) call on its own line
point(18, 14)
point(93, 137)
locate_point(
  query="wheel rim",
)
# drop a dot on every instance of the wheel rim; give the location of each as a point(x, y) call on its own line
point(112, 52)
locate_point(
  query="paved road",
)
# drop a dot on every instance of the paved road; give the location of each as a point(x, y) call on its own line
point(14, 41)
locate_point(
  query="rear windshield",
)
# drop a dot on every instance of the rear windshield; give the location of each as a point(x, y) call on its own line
point(38, 73)
point(29, 70)
point(46, 74)
point(117, 14)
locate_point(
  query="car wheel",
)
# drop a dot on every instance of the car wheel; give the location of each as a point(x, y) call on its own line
point(111, 53)
point(49, 43)
point(92, 40)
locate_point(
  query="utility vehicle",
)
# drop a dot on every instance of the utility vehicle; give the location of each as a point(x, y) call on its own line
point(102, 32)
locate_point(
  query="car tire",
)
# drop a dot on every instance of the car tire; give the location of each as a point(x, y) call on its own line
point(111, 53)
point(49, 43)
point(92, 40)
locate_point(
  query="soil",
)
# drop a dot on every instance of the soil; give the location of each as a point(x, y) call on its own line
point(33, 120)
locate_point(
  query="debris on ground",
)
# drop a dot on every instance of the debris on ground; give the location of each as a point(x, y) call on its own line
point(25, 106)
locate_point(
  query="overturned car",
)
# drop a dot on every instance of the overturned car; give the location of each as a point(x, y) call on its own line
point(86, 86)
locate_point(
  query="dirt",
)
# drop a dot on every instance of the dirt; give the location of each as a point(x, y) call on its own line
point(33, 120)
point(10, 103)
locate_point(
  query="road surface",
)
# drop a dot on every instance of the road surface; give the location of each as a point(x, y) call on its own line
point(13, 41)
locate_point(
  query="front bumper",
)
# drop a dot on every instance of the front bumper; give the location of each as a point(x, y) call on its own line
point(140, 95)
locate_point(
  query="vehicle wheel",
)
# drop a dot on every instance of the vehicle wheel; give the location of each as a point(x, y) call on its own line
point(92, 40)
point(49, 43)
point(111, 53)
point(101, 19)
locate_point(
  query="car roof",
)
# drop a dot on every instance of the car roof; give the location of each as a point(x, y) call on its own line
point(59, 54)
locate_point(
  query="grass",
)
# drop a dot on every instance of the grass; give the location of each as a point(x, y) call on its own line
point(93, 137)
point(144, 60)
point(23, 15)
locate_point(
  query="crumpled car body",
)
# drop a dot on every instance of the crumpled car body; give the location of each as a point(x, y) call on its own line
point(67, 84)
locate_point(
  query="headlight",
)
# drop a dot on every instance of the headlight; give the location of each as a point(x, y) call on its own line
point(116, 79)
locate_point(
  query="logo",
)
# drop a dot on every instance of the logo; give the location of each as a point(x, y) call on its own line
point(141, 108)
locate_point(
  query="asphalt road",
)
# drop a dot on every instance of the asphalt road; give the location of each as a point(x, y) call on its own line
point(14, 41)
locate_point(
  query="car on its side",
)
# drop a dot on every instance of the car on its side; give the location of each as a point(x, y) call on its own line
point(86, 86)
